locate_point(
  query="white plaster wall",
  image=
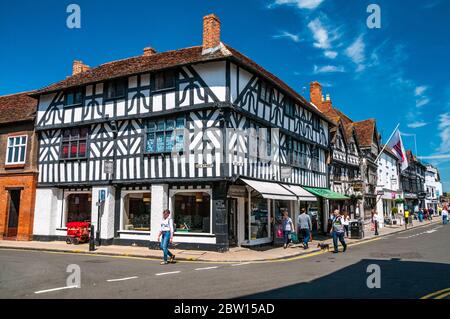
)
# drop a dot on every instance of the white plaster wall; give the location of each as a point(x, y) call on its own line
point(107, 218)
point(47, 211)
point(213, 74)
point(160, 202)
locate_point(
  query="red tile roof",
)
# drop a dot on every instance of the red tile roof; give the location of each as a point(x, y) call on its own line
point(166, 60)
point(365, 132)
point(17, 108)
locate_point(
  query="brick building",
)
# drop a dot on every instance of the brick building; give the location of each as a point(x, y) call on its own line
point(18, 169)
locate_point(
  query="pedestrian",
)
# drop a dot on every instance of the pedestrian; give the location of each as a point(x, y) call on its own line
point(406, 218)
point(305, 227)
point(431, 212)
point(337, 232)
point(375, 221)
point(420, 215)
point(445, 215)
point(346, 223)
point(166, 232)
point(288, 228)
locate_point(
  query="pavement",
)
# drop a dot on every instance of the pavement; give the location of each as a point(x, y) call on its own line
point(235, 254)
point(411, 264)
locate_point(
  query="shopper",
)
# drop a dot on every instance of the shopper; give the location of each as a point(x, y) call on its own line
point(305, 227)
point(337, 232)
point(375, 221)
point(166, 232)
point(346, 223)
point(288, 228)
point(445, 215)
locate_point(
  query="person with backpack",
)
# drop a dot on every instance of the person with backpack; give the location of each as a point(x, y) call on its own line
point(337, 232)
point(305, 227)
point(288, 228)
point(166, 231)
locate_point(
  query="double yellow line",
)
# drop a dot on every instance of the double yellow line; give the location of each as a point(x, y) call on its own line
point(441, 294)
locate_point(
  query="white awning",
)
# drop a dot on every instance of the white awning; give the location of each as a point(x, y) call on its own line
point(270, 190)
point(301, 193)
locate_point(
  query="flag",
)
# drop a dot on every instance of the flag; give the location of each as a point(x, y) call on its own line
point(396, 145)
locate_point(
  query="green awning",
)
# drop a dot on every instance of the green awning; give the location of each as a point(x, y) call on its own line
point(326, 193)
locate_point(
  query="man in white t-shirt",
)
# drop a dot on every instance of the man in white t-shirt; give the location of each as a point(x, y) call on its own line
point(445, 215)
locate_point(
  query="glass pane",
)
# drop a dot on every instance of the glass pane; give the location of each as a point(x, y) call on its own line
point(150, 147)
point(169, 141)
point(259, 218)
point(24, 140)
point(82, 149)
point(10, 154)
point(22, 154)
point(192, 212)
point(65, 150)
point(10, 141)
point(66, 134)
point(160, 142)
point(180, 122)
point(169, 79)
point(170, 125)
point(151, 126)
point(160, 126)
point(70, 99)
point(159, 81)
point(73, 149)
point(180, 142)
point(78, 97)
point(17, 141)
point(16, 154)
point(120, 89)
point(83, 132)
point(74, 133)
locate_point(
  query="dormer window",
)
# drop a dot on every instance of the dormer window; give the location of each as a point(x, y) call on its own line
point(265, 92)
point(74, 97)
point(164, 80)
point(115, 89)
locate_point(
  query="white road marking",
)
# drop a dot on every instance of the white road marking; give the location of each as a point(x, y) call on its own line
point(207, 268)
point(431, 231)
point(122, 279)
point(168, 273)
point(55, 289)
point(241, 264)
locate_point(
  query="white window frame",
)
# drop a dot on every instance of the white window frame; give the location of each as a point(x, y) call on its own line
point(19, 146)
point(208, 191)
point(122, 211)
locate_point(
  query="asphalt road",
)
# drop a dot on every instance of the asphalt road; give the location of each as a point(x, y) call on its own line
point(412, 264)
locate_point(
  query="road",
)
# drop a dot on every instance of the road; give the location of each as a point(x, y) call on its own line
point(413, 264)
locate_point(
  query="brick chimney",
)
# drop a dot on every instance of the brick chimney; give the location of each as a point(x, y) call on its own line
point(326, 105)
point(148, 51)
point(79, 67)
point(315, 94)
point(211, 33)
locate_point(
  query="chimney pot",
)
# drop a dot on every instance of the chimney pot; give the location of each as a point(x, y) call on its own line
point(211, 33)
point(148, 51)
point(79, 67)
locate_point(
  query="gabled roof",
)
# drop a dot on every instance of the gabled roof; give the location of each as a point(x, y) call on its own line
point(17, 108)
point(365, 130)
point(169, 59)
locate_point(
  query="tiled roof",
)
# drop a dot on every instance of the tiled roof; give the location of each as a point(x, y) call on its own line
point(166, 60)
point(365, 131)
point(17, 107)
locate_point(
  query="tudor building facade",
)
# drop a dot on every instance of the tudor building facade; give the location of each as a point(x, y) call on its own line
point(203, 131)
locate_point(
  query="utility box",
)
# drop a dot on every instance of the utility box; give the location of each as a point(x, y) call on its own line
point(356, 229)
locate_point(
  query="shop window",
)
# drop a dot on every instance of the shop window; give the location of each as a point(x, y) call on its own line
point(137, 208)
point(16, 150)
point(192, 212)
point(259, 218)
point(115, 89)
point(78, 207)
point(164, 80)
point(74, 143)
point(165, 136)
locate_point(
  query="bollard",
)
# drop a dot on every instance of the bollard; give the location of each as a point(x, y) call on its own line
point(92, 239)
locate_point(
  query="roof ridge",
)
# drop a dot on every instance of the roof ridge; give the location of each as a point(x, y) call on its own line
point(18, 93)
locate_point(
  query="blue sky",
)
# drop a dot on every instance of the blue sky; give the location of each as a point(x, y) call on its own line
point(396, 74)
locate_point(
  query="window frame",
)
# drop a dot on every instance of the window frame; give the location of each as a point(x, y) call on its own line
point(114, 82)
point(165, 87)
point(174, 131)
point(73, 91)
point(290, 104)
point(268, 92)
point(19, 147)
point(70, 141)
point(315, 120)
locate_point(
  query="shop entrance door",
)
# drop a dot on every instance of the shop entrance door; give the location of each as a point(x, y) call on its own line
point(13, 213)
point(232, 221)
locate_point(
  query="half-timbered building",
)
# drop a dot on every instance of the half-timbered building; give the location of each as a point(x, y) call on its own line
point(203, 131)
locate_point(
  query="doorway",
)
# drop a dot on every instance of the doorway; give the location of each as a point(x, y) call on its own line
point(232, 221)
point(13, 212)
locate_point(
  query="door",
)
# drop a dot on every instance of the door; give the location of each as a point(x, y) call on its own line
point(232, 221)
point(13, 213)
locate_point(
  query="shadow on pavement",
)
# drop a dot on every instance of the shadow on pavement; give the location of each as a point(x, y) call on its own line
point(399, 280)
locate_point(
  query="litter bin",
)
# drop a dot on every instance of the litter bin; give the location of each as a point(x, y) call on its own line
point(356, 230)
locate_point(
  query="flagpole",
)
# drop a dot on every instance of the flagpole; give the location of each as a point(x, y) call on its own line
point(387, 142)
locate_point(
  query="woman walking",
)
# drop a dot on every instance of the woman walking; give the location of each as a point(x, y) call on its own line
point(166, 232)
point(346, 223)
point(288, 228)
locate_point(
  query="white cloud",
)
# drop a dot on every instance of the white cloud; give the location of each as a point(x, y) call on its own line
point(434, 157)
point(444, 133)
point(417, 124)
point(420, 90)
point(328, 69)
point(331, 54)
point(285, 34)
point(320, 34)
point(356, 53)
point(301, 4)
point(422, 102)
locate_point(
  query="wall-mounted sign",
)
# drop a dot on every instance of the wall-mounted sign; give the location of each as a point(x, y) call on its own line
point(286, 171)
point(204, 165)
point(108, 167)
